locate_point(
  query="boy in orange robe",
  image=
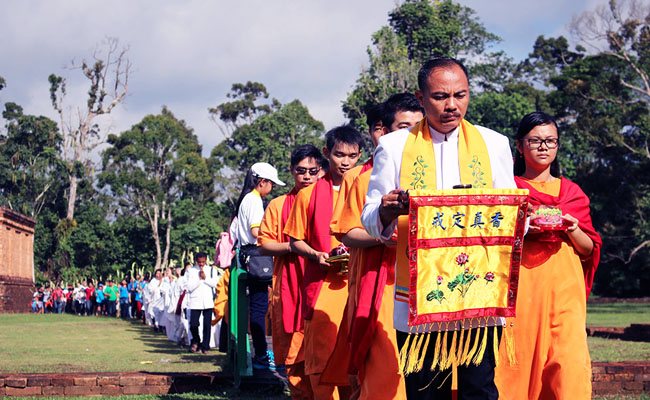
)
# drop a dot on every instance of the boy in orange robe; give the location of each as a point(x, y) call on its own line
point(324, 289)
point(288, 269)
point(371, 345)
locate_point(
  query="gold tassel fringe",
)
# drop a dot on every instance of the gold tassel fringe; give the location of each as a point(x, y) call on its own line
point(403, 353)
point(473, 351)
point(509, 336)
point(481, 352)
point(495, 345)
point(420, 364)
point(443, 351)
point(463, 356)
point(414, 353)
point(451, 357)
point(436, 353)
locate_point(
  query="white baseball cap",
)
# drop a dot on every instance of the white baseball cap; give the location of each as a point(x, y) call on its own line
point(266, 171)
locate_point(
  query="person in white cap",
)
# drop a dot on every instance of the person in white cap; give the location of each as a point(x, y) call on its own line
point(258, 184)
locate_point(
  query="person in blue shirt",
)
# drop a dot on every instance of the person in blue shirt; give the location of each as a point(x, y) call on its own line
point(99, 299)
point(124, 300)
point(133, 286)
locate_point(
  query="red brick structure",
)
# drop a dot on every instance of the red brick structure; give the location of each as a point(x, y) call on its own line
point(16, 261)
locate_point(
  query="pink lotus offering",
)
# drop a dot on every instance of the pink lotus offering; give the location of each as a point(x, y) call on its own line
point(546, 216)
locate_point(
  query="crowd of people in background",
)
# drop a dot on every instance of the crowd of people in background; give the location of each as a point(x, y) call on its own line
point(164, 301)
point(111, 299)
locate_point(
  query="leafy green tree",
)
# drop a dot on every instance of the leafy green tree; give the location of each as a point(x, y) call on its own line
point(602, 101)
point(417, 31)
point(149, 167)
point(269, 138)
point(439, 28)
point(29, 161)
point(244, 107)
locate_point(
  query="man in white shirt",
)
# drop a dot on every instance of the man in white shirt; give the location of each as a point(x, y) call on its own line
point(201, 283)
point(444, 94)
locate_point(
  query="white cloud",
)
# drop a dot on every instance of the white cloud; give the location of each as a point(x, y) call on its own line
point(186, 55)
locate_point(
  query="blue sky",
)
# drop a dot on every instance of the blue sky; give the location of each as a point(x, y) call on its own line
point(187, 54)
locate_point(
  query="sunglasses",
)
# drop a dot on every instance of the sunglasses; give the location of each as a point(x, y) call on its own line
point(302, 171)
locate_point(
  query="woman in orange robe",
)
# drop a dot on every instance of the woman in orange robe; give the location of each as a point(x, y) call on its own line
point(552, 357)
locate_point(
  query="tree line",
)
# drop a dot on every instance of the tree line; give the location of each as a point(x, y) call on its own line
point(152, 196)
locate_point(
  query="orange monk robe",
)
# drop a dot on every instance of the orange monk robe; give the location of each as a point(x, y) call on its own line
point(321, 329)
point(287, 346)
point(336, 369)
point(552, 357)
point(381, 377)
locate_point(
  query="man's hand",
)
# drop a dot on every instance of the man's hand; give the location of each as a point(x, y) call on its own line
point(393, 204)
point(202, 274)
point(321, 256)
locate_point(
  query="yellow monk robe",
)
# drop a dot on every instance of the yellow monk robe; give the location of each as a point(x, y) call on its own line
point(549, 330)
point(322, 326)
point(381, 377)
point(287, 343)
point(221, 301)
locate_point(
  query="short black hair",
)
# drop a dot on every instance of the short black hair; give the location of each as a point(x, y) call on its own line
point(437, 62)
point(527, 124)
point(374, 114)
point(305, 151)
point(200, 254)
point(396, 103)
point(343, 134)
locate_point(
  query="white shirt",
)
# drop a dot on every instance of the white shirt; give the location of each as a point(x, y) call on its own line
point(385, 177)
point(200, 291)
point(251, 212)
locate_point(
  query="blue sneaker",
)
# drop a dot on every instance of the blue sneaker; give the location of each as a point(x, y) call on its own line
point(272, 365)
point(264, 362)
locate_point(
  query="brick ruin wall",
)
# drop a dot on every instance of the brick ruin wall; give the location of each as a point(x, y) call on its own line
point(16, 261)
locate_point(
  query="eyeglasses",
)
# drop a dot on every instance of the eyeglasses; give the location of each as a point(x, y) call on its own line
point(551, 143)
point(303, 171)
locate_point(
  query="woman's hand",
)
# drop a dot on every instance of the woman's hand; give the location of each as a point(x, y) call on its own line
point(581, 242)
point(573, 220)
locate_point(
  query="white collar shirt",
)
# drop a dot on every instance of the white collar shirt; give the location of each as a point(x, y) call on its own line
point(386, 177)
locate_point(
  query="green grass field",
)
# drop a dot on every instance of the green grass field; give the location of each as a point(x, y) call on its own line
point(618, 314)
point(69, 343)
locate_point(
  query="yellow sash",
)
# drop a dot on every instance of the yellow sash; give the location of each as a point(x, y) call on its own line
point(419, 172)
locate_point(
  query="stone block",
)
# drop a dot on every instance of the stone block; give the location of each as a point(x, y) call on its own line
point(16, 381)
point(139, 389)
point(63, 380)
point(85, 380)
point(81, 390)
point(111, 390)
point(108, 380)
point(157, 380)
point(623, 377)
point(642, 377)
point(39, 380)
point(53, 390)
point(24, 391)
point(633, 386)
point(133, 380)
point(601, 378)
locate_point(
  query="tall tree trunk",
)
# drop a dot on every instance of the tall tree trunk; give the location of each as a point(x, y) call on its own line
point(168, 235)
point(156, 237)
point(72, 196)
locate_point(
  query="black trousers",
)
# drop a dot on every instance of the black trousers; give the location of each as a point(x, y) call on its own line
point(207, 327)
point(475, 382)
